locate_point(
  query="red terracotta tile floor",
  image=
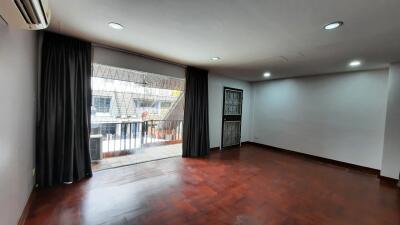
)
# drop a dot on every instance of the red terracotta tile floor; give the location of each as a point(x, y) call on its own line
point(252, 185)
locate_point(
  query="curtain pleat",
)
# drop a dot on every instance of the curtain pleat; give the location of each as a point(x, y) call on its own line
point(195, 126)
point(64, 101)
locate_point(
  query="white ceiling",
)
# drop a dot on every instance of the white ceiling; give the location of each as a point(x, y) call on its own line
point(284, 37)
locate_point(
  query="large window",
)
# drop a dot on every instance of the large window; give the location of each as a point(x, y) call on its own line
point(101, 104)
point(133, 111)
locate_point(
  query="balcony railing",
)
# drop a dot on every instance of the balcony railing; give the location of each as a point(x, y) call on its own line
point(112, 139)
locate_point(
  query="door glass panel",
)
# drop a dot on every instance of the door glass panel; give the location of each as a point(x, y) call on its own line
point(231, 133)
point(233, 102)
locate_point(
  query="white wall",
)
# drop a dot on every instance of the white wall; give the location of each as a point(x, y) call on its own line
point(126, 60)
point(17, 118)
point(340, 116)
point(391, 151)
point(216, 86)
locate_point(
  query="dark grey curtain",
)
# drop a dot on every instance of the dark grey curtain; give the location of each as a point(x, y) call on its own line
point(195, 126)
point(64, 100)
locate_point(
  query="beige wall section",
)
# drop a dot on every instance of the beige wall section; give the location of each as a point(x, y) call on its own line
point(18, 70)
point(113, 57)
point(337, 116)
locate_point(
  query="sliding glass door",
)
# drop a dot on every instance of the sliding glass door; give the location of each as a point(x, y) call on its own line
point(135, 116)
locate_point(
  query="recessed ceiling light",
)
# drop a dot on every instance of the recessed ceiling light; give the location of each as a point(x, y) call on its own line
point(267, 74)
point(215, 58)
point(115, 26)
point(355, 63)
point(333, 25)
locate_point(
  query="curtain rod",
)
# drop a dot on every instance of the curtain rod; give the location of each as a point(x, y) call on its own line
point(138, 54)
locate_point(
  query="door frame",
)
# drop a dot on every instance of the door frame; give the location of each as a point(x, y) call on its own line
point(223, 113)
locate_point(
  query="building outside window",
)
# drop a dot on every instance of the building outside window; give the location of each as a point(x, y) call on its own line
point(101, 104)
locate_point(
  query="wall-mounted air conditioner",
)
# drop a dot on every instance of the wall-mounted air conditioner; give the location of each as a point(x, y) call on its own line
point(26, 14)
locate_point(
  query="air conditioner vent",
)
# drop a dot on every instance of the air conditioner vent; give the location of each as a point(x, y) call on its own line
point(23, 12)
point(27, 14)
point(32, 11)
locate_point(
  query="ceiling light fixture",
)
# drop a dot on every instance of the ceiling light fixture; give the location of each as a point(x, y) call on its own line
point(333, 25)
point(355, 63)
point(267, 74)
point(115, 26)
point(215, 58)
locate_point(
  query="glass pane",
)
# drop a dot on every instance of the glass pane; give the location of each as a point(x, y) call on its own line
point(133, 111)
point(233, 102)
point(231, 133)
